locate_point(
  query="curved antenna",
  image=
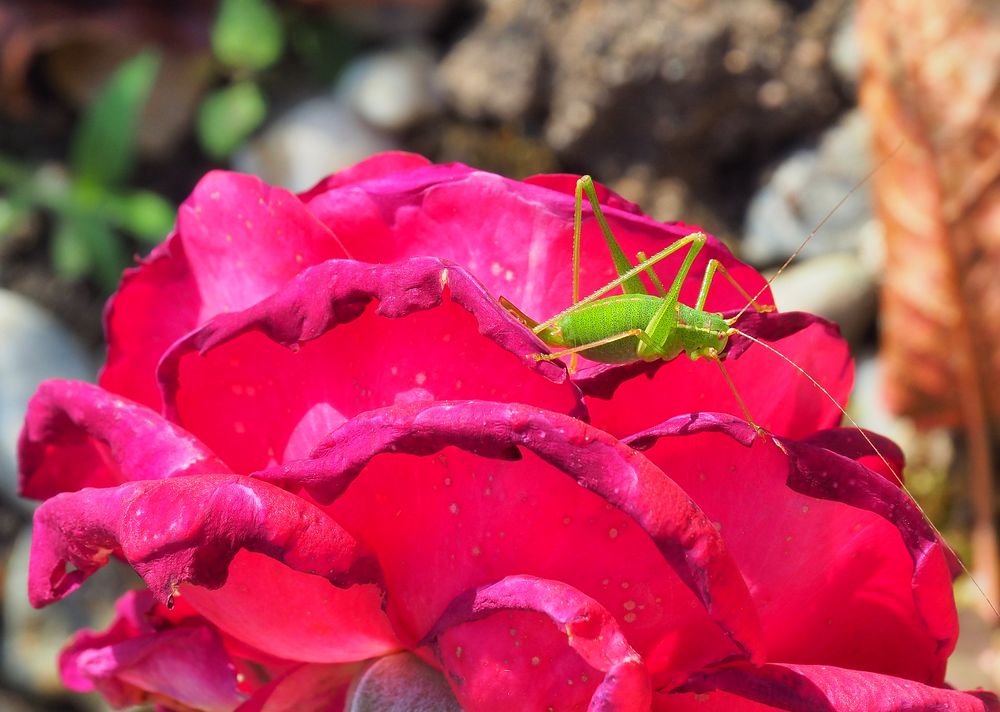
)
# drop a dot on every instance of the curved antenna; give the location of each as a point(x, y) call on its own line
point(878, 452)
point(819, 226)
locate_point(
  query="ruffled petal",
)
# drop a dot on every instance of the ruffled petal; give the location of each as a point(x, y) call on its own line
point(842, 567)
point(265, 384)
point(377, 166)
point(184, 530)
point(516, 237)
point(237, 240)
point(305, 688)
point(786, 403)
point(450, 520)
point(77, 435)
point(807, 688)
point(480, 657)
point(134, 662)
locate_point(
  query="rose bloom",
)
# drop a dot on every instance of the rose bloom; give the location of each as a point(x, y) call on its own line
point(328, 452)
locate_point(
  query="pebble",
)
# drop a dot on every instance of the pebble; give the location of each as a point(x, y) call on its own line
point(34, 347)
point(804, 188)
point(392, 90)
point(314, 139)
point(836, 286)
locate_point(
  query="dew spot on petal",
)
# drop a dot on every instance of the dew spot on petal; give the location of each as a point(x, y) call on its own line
point(536, 661)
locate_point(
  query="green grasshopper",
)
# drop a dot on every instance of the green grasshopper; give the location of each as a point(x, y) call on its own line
point(636, 325)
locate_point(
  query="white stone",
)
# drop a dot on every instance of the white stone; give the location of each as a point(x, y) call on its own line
point(392, 90)
point(314, 139)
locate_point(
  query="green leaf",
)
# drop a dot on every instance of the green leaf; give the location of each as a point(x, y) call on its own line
point(228, 116)
point(103, 146)
point(87, 246)
point(13, 216)
point(248, 34)
point(147, 216)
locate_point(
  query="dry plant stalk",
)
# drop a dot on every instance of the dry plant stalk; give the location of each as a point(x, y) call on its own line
point(932, 82)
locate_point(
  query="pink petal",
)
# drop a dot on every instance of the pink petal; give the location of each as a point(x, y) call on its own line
point(444, 523)
point(819, 687)
point(470, 653)
point(265, 384)
point(237, 240)
point(184, 530)
point(377, 166)
point(787, 403)
point(77, 435)
point(306, 688)
point(330, 625)
point(133, 662)
point(514, 236)
point(842, 567)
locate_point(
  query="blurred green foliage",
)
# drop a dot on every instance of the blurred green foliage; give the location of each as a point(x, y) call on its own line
point(248, 37)
point(89, 202)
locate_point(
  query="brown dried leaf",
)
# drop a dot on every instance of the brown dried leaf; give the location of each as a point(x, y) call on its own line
point(932, 83)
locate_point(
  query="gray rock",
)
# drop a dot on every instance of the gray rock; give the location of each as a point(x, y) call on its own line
point(805, 188)
point(400, 683)
point(33, 638)
point(836, 286)
point(392, 90)
point(318, 137)
point(33, 347)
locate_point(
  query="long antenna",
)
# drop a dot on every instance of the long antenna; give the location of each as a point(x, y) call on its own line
point(878, 452)
point(819, 226)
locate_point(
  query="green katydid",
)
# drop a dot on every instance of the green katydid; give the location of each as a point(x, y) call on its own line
point(636, 325)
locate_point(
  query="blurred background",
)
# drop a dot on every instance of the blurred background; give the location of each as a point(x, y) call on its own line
point(753, 119)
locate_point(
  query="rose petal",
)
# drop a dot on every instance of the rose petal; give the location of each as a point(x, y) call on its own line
point(237, 240)
point(330, 625)
point(787, 403)
point(256, 402)
point(377, 166)
point(805, 688)
point(514, 236)
point(77, 435)
point(305, 688)
point(488, 516)
point(591, 631)
point(184, 530)
point(841, 565)
point(134, 663)
point(876, 452)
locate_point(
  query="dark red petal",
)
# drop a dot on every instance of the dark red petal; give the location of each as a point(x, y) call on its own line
point(842, 567)
point(306, 688)
point(590, 630)
point(133, 663)
point(377, 166)
point(237, 240)
point(785, 403)
point(874, 451)
point(566, 183)
point(440, 525)
point(265, 384)
point(514, 236)
point(77, 435)
point(330, 625)
point(183, 530)
point(807, 688)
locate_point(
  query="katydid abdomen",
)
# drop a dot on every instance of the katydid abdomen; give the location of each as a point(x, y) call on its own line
point(694, 332)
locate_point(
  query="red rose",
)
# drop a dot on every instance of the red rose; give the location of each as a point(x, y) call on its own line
point(319, 461)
